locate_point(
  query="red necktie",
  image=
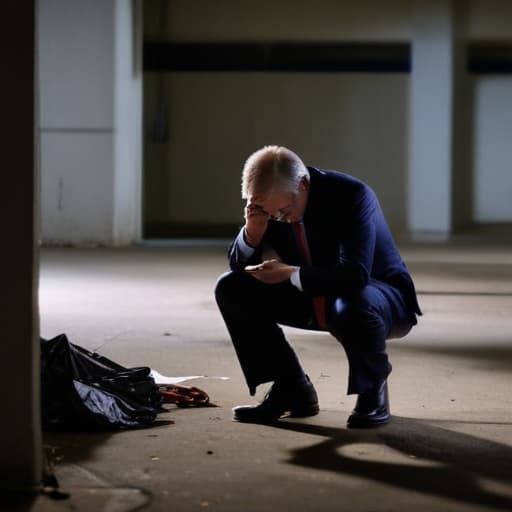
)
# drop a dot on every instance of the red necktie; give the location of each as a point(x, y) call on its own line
point(318, 302)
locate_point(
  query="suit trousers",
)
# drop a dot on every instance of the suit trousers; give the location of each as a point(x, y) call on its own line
point(362, 321)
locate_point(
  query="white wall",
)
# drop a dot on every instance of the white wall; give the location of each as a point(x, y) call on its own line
point(353, 122)
point(90, 87)
point(328, 20)
point(77, 119)
point(90, 110)
point(76, 186)
point(493, 149)
point(491, 20)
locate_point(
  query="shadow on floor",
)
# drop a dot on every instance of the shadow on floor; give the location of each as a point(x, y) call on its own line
point(18, 501)
point(456, 466)
point(78, 446)
point(72, 446)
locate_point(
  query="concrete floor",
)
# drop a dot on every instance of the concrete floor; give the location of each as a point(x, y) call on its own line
point(448, 448)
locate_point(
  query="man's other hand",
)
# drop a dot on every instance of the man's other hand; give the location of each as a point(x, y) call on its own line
point(271, 271)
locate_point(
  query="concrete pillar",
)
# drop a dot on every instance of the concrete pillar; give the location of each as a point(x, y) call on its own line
point(20, 429)
point(127, 190)
point(91, 134)
point(438, 149)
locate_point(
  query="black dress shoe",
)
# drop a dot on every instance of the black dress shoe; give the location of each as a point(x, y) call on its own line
point(297, 401)
point(372, 408)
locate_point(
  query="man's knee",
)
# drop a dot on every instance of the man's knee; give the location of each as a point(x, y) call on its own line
point(232, 285)
point(352, 318)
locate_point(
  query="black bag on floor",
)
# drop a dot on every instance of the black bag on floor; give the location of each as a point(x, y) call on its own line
point(82, 390)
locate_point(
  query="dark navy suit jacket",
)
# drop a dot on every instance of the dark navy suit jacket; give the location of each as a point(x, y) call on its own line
point(349, 240)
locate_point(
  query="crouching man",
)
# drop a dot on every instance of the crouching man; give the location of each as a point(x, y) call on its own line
point(315, 253)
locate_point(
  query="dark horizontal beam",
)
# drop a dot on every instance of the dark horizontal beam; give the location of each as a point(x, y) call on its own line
point(309, 57)
point(490, 58)
point(312, 57)
point(168, 229)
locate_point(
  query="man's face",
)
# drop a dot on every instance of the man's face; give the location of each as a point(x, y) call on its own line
point(284, 206)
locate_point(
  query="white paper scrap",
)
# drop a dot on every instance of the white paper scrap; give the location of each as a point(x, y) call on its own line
point(162, 379)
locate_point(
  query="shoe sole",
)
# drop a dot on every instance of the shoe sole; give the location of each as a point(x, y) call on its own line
point(304, 413)
point(296, 413)
point(367, 424)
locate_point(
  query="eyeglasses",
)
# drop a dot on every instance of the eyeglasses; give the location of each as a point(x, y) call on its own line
point(282, 213)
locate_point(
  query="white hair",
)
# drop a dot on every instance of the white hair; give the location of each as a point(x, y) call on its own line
point(272, 169)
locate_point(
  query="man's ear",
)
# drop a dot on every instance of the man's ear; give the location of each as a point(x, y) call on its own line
point(303, 184)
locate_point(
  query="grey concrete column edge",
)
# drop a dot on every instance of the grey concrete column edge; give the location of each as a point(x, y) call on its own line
point(127, 172)
point(435, 162)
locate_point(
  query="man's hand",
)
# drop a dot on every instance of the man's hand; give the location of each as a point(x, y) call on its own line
point(256, 222)
point(271, 271)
